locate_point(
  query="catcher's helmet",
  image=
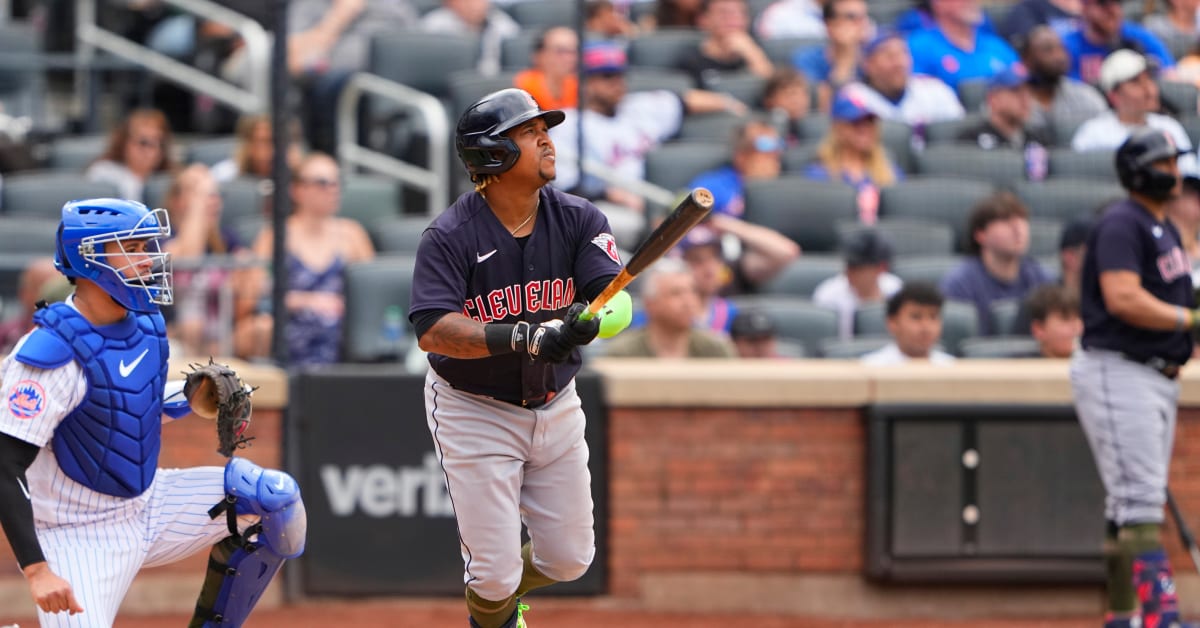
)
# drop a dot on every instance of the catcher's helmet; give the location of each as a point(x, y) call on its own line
point(88, 225)
point(1135, 162)
point(480, 139)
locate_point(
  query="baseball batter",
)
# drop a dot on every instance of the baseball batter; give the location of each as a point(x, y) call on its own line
point(1136, 300)
point(82, 402)
point(497, 292)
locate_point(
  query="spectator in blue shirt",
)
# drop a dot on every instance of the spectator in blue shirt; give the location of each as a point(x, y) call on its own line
point(1105, 29)
point(835, 63)
point(853, 153)
point(999, 240)
point(957, 47)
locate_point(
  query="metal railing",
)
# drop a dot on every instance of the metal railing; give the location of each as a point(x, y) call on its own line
point(434, 180)
point(253, 99)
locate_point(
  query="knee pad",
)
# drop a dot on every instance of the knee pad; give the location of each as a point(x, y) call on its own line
point(275, 498)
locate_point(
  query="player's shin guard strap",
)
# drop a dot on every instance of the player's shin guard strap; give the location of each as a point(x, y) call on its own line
point(218, 569)
point(489, 613)
point(531, 578)
point(1118, 564)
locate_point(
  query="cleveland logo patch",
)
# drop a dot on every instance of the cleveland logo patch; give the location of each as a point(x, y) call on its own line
point(608, 244)
point(26, 400)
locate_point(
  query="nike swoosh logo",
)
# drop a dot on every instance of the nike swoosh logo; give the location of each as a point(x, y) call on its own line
point(279, 485)
point(126, 370)
point(483, 258)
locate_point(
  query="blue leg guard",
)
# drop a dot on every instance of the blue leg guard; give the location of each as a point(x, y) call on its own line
point(241, 566)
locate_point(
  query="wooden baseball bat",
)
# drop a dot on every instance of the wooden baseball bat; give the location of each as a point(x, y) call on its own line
point(690, 211)
point(1185, 532)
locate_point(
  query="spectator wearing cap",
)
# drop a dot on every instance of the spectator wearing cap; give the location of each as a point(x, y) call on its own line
point(865, 280)
point(1063, 16)
point(852, 152)
point(619, 128)
point(478, 17)
point(999, 269)
point(834, 64)
point(1072, 244)
point(1102, 31)
point(957, 48)
point(790, 18)
point(893, 92)
point(754, 336)
point(1127, 79)
point(552, 79)
point(786, 100)
point(727, 46)
point(1005, 125)
point(1057, 98)
point(914, 321)
point(1055, 322)
point(671, 303)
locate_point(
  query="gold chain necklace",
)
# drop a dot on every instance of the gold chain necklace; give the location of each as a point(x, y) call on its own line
point(524, 222)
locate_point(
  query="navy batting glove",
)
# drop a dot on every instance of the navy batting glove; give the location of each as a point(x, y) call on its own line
point(576, 330)
point(549, 343)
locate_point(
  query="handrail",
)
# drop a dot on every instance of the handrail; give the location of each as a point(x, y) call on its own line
point(654, 193)
point(255, 99)
point(436, 179)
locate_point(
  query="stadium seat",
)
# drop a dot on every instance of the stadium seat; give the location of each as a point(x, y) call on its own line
point(1064, 129)
point(796, 159)
point(242, 198)
point(959, 322)
point(663, 48)
point(1004, 314)
point(154, 194)
point(795, 319)
point(1044, 234)
point(1179, 96)
point(718, 127)
point(422, 61)
point(371, 287)
point(999, 347)
point(27, 236)
point(972, 93)
point(814, 126)
point(75, 152)
point(1000, 167)
point(947, 131)
point(43, 193)
point(399, 235)
point(649, 79)
point(11, 267)
point(22, 83)
point(516, 51)
point(929, 268)
point(852, 348)
point(801, 277)
point(743, 86)
point(908, 237)
point(369, 199)
point(938, 199)
point(781, 49)
point(675, 164)
point(1092, 164)
point(803, 210)
point(211, 150)
point(539, 14)
point(1066, 199)
point(468, 86)
point(1191, 124)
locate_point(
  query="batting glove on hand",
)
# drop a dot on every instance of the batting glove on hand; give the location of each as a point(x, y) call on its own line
point(548, 342)
point(576, 330)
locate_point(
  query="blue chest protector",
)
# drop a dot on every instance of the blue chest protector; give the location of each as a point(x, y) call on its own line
point(110, 442)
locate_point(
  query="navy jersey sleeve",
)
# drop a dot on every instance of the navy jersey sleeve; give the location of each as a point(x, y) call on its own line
point(1118, 245)
point(597, 260)
point(439, 277)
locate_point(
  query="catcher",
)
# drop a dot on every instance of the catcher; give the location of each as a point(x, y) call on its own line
point(83, 399)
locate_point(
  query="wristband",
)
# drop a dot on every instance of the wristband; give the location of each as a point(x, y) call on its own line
point(1182, 318)
point(504, 338)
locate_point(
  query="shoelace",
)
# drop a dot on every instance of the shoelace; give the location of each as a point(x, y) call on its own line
point(521, 608)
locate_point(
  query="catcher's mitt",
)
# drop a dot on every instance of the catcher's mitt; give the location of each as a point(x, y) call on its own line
point(214, 391)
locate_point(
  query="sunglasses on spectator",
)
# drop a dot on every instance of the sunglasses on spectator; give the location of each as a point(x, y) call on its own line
point(321, 182)
point(767, 144)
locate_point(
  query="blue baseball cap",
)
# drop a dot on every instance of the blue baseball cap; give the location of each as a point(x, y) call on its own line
point(1010, 77)
point(604, 57)
point(881, 37)
point(849, 106)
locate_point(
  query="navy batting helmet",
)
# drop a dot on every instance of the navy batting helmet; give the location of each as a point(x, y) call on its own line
point(1135, 163)
point(480, 139)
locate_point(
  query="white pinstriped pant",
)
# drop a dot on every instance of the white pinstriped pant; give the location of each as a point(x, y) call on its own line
point(100, 560)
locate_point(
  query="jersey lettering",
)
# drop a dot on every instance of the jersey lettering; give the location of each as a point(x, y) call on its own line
point(1172, 265)
point(549, 294)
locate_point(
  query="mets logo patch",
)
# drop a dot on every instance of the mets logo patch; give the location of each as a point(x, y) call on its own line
point(26, 400)
point(608, 244)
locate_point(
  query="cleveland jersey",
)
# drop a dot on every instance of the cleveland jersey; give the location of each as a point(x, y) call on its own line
point(468, 262)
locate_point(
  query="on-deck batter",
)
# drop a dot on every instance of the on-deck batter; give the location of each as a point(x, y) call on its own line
point(82, 403)
point(497, 291)
point(1136, 299)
